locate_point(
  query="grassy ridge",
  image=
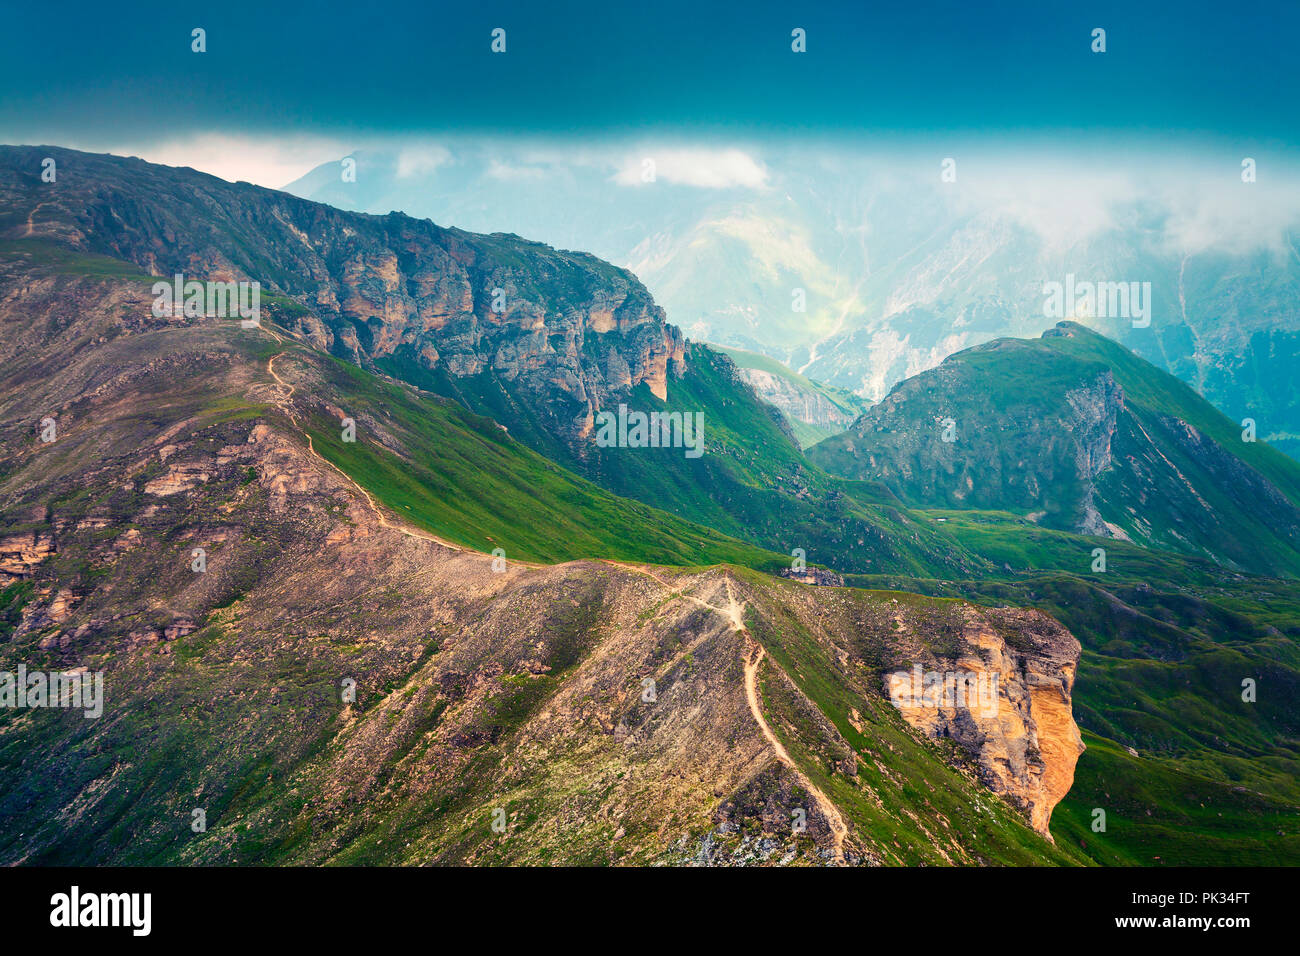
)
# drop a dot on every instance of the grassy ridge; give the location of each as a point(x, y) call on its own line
point(461, 477)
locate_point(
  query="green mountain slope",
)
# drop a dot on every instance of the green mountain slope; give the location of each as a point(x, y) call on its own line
point(336, 686)
point(1055, 437)
point(461, 476)
point(752, 481)
point(814, 410)
point(1078, 433)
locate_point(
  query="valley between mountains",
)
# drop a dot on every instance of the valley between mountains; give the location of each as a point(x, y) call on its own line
point(474, 636)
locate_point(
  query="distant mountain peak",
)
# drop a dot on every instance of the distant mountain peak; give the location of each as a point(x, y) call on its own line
point(1082, 435)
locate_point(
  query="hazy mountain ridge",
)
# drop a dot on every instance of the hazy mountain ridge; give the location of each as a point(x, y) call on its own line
point(815, 411)
point(897, 269)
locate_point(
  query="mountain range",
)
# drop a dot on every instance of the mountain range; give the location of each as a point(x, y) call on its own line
point(859, 268)
point(461, 629)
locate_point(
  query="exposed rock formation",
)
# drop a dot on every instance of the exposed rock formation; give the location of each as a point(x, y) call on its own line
point(822, 577)
point(560, 331)
point(20, 553)
point(1015, 718)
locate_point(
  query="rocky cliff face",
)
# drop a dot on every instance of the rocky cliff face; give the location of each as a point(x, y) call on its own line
point(1015, 718)
point(559, 331)
point(800, 404)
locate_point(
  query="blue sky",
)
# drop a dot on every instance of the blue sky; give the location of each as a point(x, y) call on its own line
point(85, 71)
